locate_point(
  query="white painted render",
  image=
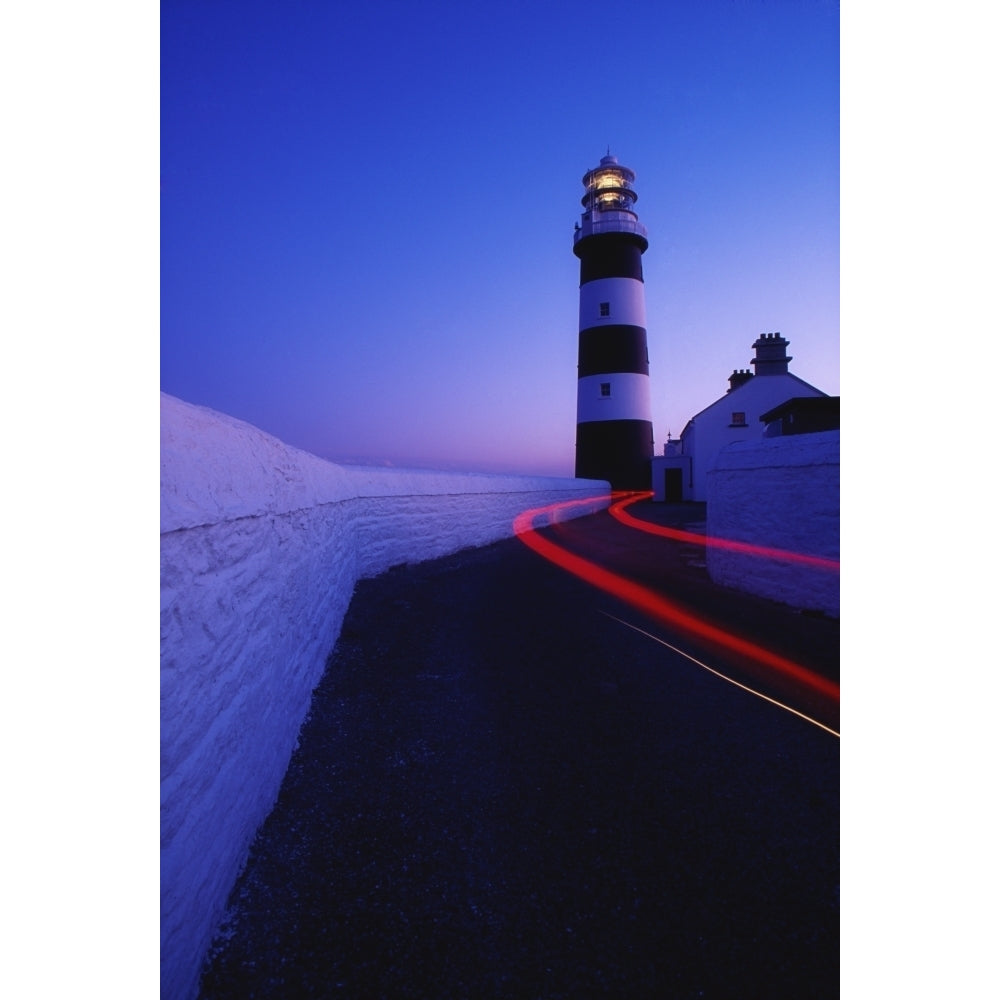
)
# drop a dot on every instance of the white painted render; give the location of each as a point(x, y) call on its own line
point(626, 300)
point(783, 493)
point(629, 398)
point(709, 431)
point(260, 547)
point(660, 463)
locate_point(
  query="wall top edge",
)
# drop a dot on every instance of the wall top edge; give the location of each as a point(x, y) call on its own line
point(819, 448)
point(215, 468)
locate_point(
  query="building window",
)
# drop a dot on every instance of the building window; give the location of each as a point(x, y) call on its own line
point(739, 419)
point(605, 308)
point(605, 388)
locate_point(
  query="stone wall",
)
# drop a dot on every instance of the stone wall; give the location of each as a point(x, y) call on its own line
point(260, 548)
point(782, 493)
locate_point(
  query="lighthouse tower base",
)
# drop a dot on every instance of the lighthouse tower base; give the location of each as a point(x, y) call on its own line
point(620, 451)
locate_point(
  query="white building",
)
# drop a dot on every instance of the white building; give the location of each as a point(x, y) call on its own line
point(681, 472)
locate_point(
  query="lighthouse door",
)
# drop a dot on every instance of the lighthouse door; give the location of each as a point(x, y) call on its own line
point(673, 485)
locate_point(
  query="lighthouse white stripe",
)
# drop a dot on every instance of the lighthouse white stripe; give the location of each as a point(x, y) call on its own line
point(628, 398)
point(626, 302)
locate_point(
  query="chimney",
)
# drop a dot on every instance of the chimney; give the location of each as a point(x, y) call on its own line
point(771, 357)
point(738, 378)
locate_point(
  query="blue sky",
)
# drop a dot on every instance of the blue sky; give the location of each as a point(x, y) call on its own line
point(367, 211)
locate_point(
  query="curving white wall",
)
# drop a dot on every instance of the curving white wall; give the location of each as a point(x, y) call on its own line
point(260, 547)
point(782, 492)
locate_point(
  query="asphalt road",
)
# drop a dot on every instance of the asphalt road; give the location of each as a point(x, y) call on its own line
point(502, 792)
point(676, 571)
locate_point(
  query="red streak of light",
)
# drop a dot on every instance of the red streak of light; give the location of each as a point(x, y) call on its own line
point(654, 604)
point(617, 511)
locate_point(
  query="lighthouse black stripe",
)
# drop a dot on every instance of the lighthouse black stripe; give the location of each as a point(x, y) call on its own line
point(610, 255)
point(613, 349)
point(617, 450)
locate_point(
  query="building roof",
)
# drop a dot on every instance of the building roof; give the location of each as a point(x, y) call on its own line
point(746, 389)
point(813, 405)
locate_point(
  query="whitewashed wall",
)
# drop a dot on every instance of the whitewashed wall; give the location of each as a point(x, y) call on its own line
point(710, 431)
point(260, 548)
point(781, 492)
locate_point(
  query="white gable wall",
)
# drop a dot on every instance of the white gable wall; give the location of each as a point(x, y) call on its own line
point(707, 433)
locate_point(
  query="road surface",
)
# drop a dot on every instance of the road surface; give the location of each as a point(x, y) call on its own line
point(652, 556)
point(502, 791)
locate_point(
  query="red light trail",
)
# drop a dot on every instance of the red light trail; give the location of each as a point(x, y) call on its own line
point(617, 511)
point(655, 605)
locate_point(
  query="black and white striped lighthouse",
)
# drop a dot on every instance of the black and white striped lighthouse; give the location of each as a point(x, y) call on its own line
point(614, 427)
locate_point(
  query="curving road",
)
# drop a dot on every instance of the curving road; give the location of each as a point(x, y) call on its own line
point(504, 792)
point(652, 558)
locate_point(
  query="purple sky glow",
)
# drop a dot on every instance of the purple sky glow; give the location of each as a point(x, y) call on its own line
point(367, 212)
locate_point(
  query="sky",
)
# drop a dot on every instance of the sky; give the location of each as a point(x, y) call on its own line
point(367, 211)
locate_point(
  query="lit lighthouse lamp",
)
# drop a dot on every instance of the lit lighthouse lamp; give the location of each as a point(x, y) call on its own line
point(614, 427)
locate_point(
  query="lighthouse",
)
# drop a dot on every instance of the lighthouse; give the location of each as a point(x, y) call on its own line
point(614, 427)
